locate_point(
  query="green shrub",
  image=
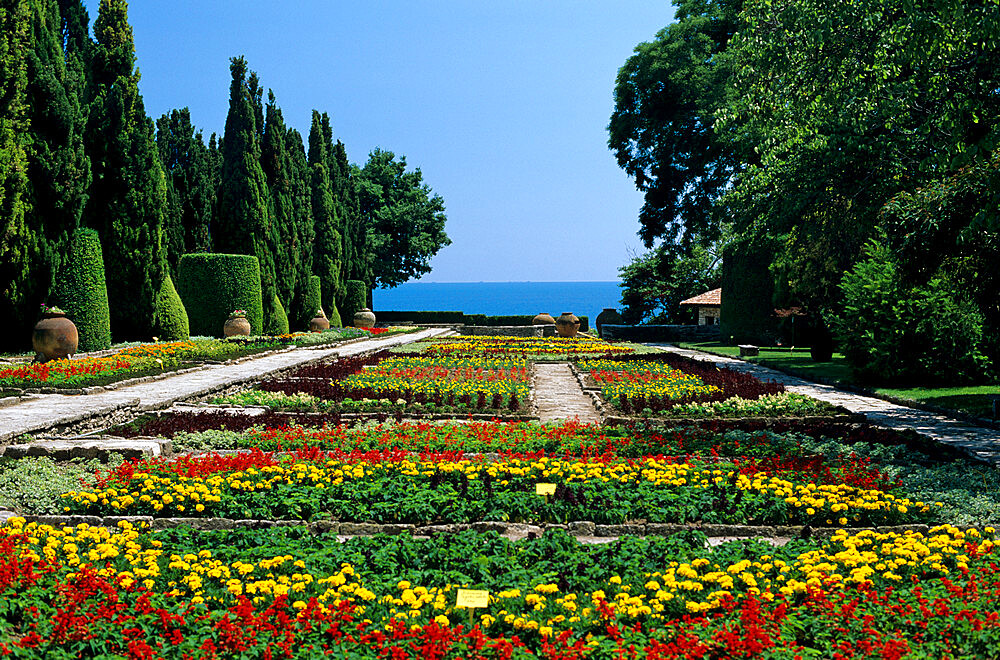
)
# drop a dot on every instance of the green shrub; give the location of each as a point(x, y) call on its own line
point(213, 285)
point(170, 319)
point(82, 292)
point(313, 300)
point(275, 319)
point(891, 332)
point(335, 320)
point(355, 298)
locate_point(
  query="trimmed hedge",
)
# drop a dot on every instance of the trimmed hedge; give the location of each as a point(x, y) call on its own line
point(747, 314)
point(275, 319)
point(170, 319)
point(355, 298)
point(313, 300)
point(419, 317)
point(82, 291)
point(213, 285)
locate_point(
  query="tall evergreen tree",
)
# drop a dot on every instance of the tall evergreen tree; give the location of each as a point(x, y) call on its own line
point(274, 161)
point(17, 242)
point(357, 261)
point(128, 197)
point(186, 163)
point(326, 252)
point(337, 189)
point(302, 218)
point(58, 168)
point(243, 224)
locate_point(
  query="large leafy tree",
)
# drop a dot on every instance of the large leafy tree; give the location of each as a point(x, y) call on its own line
point(190, 186)
point(327, 252)
point(405, 219)
point(242, 221)
point(662, 131)
point(654, 283)
point(17, 243)
point(128, 196)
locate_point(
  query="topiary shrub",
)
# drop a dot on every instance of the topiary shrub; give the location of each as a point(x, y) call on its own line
point(335, 320)
point(355, 298)
point(81, 291)
point(213, 285)
point(275, 319)
point(170, 319)
point(892, 332)
point(313, 300)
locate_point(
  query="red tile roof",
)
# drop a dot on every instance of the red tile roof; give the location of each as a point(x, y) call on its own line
point(713, 297)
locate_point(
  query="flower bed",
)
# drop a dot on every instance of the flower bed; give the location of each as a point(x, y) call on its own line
point(283, 592)
point(396, 487)
point(528, 347)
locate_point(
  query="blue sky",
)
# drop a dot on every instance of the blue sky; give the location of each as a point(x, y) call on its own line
point(503, 105)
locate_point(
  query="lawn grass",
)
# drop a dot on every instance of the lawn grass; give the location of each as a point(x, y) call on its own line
point(972, 400)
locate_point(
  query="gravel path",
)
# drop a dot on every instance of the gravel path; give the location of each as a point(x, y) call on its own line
point(559, 396)
point(978, 441)
point(54, 409)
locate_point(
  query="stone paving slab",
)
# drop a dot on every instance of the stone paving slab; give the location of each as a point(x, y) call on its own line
point(58, 409)
point(979, 442)
point(99, 448)
point(559, 397)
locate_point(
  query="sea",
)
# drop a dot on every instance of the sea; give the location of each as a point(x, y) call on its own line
point(495, 298)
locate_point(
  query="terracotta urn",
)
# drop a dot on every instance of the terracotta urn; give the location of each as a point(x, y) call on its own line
point(319, 323)
point(55, 337)
point(543, 319)
point(567, 325)
point(364, 318)
point(236, 326)
point(609, 316)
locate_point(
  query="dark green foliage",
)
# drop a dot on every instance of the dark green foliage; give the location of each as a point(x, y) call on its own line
point(327, 244)
point(298, 178)
point(667, 96)
point(275, 319)
point(892, 332)
point(313, 300)
point(58, 169)
point(19, 243)
point(405, 220)
point(190, 183)
point(81, 290)
point(243, 217)
point(128, 197)
point(171, 322)
point(213, 285)
point(747, 314)
point(355, 298)
point(335, 320)
point(356, 260)
point(653, 284)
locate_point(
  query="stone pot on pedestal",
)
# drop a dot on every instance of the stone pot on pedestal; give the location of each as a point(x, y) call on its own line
point(567, 325)
point(55, 337)
point(364, 318)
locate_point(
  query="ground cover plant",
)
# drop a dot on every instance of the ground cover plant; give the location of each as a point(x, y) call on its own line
point(157, 357)
point(394, 383)
point(397, 487)
point(286, 593)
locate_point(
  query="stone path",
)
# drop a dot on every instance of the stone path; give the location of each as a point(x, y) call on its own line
point(559, 397)
point(978, 441)
point(56, 409)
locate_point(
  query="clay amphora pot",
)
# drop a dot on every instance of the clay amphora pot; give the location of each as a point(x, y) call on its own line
point(364, 318)
point(543, 319)
point(236, 326)
point(55, 337)
point(609, 316)
point(567, 325)
point(319, 323)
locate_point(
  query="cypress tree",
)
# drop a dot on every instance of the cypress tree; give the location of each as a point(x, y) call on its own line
point(128, 197)
point(337, 189)
point(274, 162)
point(243, 223)
point(355, 241)
point(18, 243)
point(58, 168)
point(326, 251)
point(186, 163)
point(302, 220)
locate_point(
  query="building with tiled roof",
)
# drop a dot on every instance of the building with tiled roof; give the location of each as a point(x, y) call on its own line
point(709, 306)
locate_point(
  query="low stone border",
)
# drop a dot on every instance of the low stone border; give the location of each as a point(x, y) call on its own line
point(99, 447)
point(582, 528)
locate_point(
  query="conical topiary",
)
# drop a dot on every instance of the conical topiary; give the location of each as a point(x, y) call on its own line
point(82, 292)
point(335, 320)
point(170, 319)
point(313, 300)
point(275, 319)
